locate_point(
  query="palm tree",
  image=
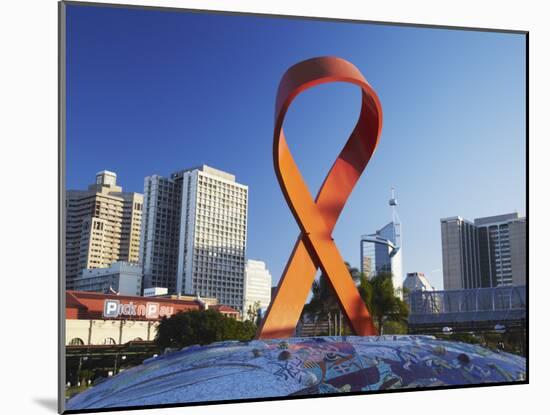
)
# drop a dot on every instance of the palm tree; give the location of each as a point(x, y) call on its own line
point(354, 272)
point(377, 293)
point(381, 300)
point(323, 304)
point(322, 301)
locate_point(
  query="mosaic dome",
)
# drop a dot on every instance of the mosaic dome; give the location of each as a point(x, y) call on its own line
point(301, 366)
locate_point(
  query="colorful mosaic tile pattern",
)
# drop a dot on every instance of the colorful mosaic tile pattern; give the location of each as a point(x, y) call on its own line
point(301, 366)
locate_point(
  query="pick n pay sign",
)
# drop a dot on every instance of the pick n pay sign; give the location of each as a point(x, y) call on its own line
point(115, 308)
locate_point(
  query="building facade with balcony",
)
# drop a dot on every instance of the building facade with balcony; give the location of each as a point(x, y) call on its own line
point(103, 226)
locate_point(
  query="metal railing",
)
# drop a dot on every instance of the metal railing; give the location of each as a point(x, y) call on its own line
point(468, 309)
point(464, 301)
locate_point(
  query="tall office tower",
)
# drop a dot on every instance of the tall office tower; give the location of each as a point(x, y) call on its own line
point(381, 251)
point(459, 241)
point(160, 234)
point(487, 253)
point(518, 250)
point(212, 236)
point(496, 234)
point(257, 286)
point(103, 226)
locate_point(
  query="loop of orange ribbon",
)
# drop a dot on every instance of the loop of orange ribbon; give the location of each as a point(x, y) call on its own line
point(315, 247)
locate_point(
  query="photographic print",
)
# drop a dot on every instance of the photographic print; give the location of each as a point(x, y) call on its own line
point(259, 207)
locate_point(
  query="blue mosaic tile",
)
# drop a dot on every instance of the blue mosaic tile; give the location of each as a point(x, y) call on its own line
point(301, 366)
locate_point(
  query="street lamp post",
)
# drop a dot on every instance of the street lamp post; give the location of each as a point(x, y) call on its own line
point(80, 359)
point(116, 361)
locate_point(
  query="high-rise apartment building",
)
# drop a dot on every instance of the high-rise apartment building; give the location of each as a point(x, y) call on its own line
point(161, 230)
point(194, 234)
point(214, 213)
point(257, 286)
point(103, 226)
point(490, 252)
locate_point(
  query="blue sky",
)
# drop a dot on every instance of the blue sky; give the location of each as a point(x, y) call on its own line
point(152, 92)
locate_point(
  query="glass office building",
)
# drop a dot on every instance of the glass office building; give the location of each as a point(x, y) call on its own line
point(380, 254)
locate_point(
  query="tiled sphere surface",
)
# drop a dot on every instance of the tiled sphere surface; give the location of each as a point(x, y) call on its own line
point(301, 366)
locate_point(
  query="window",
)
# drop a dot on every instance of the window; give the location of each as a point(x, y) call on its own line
point(109, 340)
point(76, 342)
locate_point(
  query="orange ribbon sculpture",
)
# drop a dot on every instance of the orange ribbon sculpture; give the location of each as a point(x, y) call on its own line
point(315, 247)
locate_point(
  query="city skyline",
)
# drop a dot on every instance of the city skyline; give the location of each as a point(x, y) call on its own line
point(456, 148)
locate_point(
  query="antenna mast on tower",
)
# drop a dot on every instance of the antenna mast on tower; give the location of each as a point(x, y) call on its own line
point(395, 218)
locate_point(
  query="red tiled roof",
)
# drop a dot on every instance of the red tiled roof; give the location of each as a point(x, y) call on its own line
point(72, 301)
point(223, 308)
point(91, 296)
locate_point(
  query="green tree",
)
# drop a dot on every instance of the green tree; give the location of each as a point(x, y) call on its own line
point(323, 300)
point(382, 302)
point(355, 273)
point(253, 312)
point(85, 375)
point(389, 312)
point(201, 327)
point(323, 304)
point(395, 327)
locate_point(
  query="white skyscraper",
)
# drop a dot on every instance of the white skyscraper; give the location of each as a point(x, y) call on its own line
point(212, 236)
point(381, 251)
point(257, 286)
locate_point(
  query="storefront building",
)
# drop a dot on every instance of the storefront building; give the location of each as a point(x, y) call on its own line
point(105, 319)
